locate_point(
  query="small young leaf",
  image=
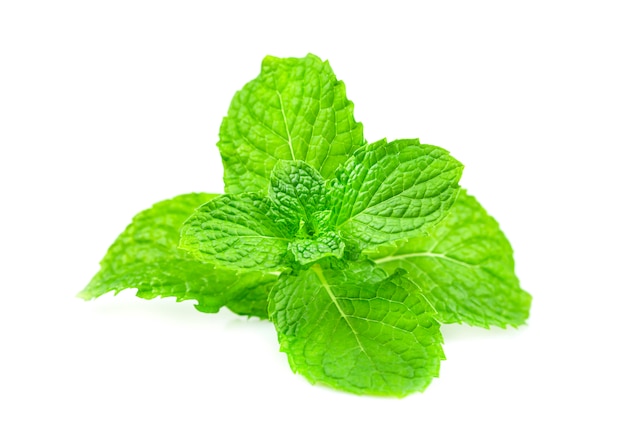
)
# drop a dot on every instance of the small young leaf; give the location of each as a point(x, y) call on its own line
point(298, 192)
point(357, 329)
point(465, 267)
point(236, 231)
point(294, 110)
point(146, 257)
point(307, 251)
point(392, 191)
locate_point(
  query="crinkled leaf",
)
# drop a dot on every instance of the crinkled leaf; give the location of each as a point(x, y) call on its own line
point(295, 109)
point(298, 192)
point(236, 231)
point(357, 329)
point(146, 257)
point(392, 191)
point(465, 267)
point(307, 251)
point(299, 200)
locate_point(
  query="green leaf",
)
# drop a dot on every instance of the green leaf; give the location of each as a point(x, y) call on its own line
point(465, 267)
point(146, 257)
point(392, 191)
point(298, 192)
point(307, 251)
point(294, 110)
point(357, 329)
point(236, 231)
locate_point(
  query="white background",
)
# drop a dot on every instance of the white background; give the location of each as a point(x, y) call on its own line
point(108, 107)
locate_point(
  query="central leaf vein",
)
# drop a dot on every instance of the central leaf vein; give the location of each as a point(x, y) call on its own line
point(320, 275)
point(282, 111)
point(401, 257)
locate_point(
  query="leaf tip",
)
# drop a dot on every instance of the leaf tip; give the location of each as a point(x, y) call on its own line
point(86, 295)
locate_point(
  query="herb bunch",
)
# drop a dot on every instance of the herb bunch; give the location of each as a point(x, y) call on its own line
point(356, 251)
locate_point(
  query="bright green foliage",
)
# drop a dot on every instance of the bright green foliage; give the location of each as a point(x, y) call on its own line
point(362, 249)
point(145, 256)
point(357, 329)
point(392, 191)
point(465, 266)
point(235, 230)
point(294, 110)
point(246, 231)
point(298, 193)
point(306, 250)
point(385, 192)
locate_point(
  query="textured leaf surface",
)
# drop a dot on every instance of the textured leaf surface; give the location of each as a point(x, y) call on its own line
point(307, 251)
point(465, 267)
point(294, 110)
point(298, 192)
point(300, 199)
point(236, 231)
point(146, 257)
point(357, 329)
point(392, 191)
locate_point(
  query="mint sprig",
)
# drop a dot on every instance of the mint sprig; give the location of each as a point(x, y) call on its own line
point(355, 251)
